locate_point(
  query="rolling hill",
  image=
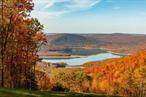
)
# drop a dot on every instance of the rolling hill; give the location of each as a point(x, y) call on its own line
point(71, 43)
point(69, 40)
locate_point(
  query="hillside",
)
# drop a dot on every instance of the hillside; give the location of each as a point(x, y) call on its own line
point(121, 42)
point(63, 41)
point(74, 43)
point(69, 40)
point(121, 75)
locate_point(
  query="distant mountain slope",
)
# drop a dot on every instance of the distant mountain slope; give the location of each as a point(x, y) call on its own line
point(122, 42)
point(125, 43)
point(69, 40)
point(119, 38)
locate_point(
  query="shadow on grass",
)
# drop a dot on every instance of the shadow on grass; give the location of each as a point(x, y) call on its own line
point(28, 93)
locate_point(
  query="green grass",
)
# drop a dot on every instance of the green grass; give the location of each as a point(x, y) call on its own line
point(27, 93)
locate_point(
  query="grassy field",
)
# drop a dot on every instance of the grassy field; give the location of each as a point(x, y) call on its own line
point(27, 93)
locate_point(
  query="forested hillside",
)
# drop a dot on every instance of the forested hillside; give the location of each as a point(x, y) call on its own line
point(126, 75)
point(120, 43)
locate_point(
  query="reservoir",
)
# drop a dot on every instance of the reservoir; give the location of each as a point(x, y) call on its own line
point(82, 60)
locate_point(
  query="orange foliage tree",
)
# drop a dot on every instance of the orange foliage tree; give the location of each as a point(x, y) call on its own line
point(20, 39)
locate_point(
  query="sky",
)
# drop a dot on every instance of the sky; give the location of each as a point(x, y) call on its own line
point(91, 16)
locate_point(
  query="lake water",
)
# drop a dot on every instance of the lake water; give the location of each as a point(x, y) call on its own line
point(80, 61)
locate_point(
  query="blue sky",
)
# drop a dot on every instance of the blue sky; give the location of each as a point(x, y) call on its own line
point(91, 16)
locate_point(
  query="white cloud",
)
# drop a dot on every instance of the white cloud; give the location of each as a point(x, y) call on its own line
point(43, 14)
point(42, 6)
point(52, 3)
point(82, 4)
point(48, 3)
point(70, 3)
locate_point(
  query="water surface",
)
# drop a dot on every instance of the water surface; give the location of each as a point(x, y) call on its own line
point(80, 61)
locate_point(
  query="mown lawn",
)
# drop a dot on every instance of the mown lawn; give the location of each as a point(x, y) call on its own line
point(27, 93)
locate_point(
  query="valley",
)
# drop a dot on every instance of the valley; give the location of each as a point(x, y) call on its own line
point(89, 44)
point(74, 49)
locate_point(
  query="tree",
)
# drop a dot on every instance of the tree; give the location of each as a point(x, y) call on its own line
point(74, 80)
point(20, 40)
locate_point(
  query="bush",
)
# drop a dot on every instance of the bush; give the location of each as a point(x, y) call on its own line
point(59, 87)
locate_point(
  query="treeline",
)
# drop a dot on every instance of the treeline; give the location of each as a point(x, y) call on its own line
point(124, 76)
point(20, 38)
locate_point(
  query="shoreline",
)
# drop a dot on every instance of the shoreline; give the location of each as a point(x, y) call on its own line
point(112, 52)
point(120, 54)
point(77, 56)
point(73, 56)
point(62, 57)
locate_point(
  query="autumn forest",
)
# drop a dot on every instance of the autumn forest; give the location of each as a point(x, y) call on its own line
point(23, 45)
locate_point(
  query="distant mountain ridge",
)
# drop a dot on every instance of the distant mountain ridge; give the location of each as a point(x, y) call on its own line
point(69, 39)
point(116, 42)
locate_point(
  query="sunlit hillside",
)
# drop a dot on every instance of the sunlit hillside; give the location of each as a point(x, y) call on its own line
point(124, 75)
